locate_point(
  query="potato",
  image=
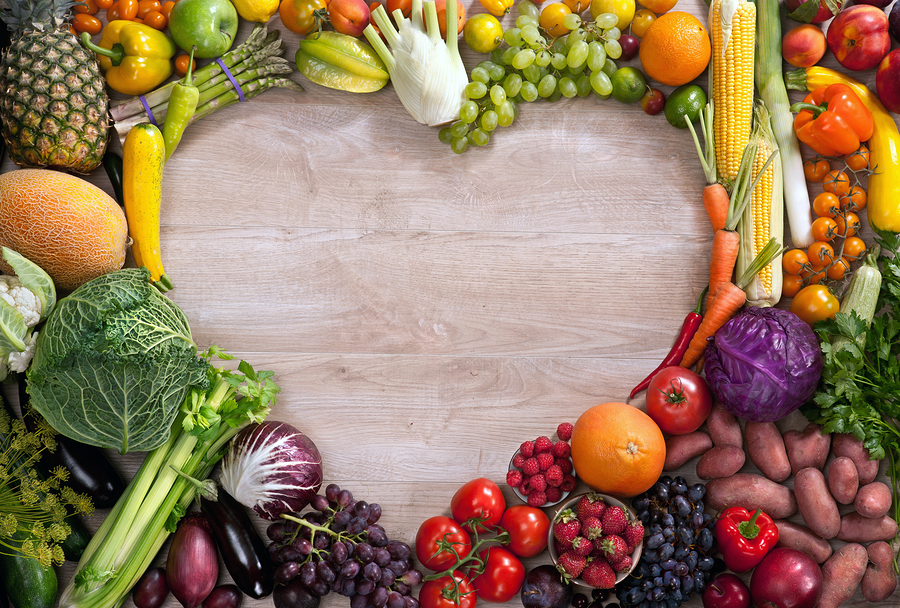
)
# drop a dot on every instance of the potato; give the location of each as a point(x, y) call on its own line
point(807, 448)
point(817, 506)
point(858, 529)
point(724, 429)
point(720, 461)
point(765, 447)
point(847, 445)
point(801, 538)
point(843, 480)
point(879, 582)
point(873, 500)
point(751, 491)
point(843, 572)
point(682, 448)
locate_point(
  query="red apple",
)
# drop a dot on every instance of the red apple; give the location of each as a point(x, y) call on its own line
point(824, 13)
point(858, 37)
point(786, 578)
point(726, 591)
point(887, 81)
point(803, 46)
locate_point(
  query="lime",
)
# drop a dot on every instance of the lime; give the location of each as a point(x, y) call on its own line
point(687, 99)
point(483, 33)
point(629, 84)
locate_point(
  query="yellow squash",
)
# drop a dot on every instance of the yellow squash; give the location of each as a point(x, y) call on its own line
point(143, 157)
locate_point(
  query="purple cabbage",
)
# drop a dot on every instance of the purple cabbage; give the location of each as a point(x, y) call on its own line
point(272, 468)
point(763, 364)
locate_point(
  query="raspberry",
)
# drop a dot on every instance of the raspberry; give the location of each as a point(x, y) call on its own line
point(525, 487)
point(561, 449)
point(538, 482)
point(542, 445)
point(531, 467)
point(518, 460)
point(514, 478)
point(545, 460)
point(568, 484)
point(554, 476)
point(527, 449)
point(564, 431)
point(537, 499)
point(565, 464)
point(553, 494)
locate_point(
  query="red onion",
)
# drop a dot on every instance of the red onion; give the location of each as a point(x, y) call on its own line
point(192, 567)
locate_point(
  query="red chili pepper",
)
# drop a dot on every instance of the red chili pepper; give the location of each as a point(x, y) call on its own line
point(744, 538)
point(688, 329)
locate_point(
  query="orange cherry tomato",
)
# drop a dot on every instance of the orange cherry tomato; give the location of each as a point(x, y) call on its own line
point(791, 284)
point(642, 21)
point(181, 64)
point(827, 204)
point(441, 7)
point(89, 7)
point(815, 303)
point(112, 13)
point(855, 200)
point(824, 229)
point(145, 6)
point(405, 7)
point(128, 9)
point(820, 253)
point(835, 181)
point(854, 248)
point(848, 225)
point(859, 159)
point(156, 20)
point(84, 22)
point(813, 274)
point(137, 20)
point(794, 260)
point(837, 270)
point(815, 169)
point(105, 4)
point(166, 9)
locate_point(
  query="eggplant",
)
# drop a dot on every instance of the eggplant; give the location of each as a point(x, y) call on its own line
point(90, 472)
point(243, 550)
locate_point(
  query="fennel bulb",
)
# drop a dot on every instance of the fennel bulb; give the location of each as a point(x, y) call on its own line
point(427, 73)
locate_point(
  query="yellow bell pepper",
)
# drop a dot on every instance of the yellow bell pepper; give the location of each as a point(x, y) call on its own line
point(135, 57)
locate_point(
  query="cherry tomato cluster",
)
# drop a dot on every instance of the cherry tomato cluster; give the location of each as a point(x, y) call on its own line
point(149, 12)
point(475, 553)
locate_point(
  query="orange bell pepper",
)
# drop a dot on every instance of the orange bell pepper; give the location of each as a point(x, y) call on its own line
point(833, 120)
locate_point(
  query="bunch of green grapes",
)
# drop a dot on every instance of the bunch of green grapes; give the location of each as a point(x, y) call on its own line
point(529, 67)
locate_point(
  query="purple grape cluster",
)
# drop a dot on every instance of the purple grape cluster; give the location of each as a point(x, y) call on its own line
point(339, 546)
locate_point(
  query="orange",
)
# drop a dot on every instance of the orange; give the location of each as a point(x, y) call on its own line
point(617, 449)
point(675, 49)
point(658, 6)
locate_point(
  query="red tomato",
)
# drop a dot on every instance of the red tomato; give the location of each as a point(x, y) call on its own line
point(502, 577)
point(678, 400)
point(431, 595)
point(300, 16)
point(435, 539)
point(528, 528)
point(480, 499)
point(349, 17)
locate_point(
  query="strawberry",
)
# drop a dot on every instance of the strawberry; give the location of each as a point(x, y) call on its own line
point(582, 546)
point(561, 547)
point(613, 547)
point(543, 445)
point(566, 527)
point(537, 498)
point(599, 574)
point(634, 534)
point(623, 565)
point(570, 564)
point(614, 520)
point(590, 505)
point(591, 527)
point(545, 460)
point(564, 431)
point(527, 449)
point(561, 449)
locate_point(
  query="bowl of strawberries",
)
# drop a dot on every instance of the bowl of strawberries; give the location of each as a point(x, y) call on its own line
point(595, 540)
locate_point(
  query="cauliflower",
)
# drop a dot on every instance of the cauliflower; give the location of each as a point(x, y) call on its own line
point(22, 299)
point(19, 361)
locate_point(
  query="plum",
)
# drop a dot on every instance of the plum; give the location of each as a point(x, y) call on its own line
point(544, 588)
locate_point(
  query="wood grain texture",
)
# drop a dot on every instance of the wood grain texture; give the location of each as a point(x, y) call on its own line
point(425, 312)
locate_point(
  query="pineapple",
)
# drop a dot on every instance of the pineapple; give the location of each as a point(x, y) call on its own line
point(52, 98)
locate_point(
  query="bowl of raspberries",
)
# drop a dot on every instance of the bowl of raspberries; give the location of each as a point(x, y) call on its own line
point(541, 472)
point(595, 540)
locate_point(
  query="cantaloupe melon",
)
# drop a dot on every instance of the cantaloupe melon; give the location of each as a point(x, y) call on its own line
point(64, 224)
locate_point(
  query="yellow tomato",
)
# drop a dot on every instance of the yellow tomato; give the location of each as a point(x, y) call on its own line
point(623, 9)
point(643, 19)
point(815, 303)
point(497, 8)
point(552, 17)
point(483, 33)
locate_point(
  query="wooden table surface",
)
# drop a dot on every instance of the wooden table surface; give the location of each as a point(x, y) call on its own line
point(425, 312)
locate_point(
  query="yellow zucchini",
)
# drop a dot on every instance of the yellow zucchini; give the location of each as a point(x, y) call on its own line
point(143, 157)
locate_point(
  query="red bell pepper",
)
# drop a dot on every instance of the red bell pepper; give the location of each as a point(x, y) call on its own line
point(833, 120)
point(744, 538)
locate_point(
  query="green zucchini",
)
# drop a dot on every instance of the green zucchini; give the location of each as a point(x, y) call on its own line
point(27, 583)
point(861, 297)
point(112, 162)
point(77, 540)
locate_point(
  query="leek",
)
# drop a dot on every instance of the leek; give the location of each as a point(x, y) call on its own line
point(141, 521)
point(772, 90)
point(428, 75)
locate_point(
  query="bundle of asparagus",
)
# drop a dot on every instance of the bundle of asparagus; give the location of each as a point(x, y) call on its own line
point(257, 65)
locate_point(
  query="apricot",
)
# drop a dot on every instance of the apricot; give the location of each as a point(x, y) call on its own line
point(803, 46)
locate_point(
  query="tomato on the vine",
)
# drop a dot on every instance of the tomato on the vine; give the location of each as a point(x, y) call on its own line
point(431, 595)
point(814, 303)
point(854, 200)
point(794, 260)
point(837, 182)
point(815, 169)
point(827, 204)
point(848, 224)
point(480, 498)
point(528, 528)
point(678, 400)
point(820, 253)
point(502, 577)
point(859, 159)
point(854, 247)
point(791, 285)
point(434, 532)
point(302, 16)
point(824, 229)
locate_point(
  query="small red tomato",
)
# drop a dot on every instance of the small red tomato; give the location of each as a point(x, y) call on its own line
point(480, 499)
point(527, 528)
point(502, 577)
point(678, 400)
point(349, 17)
point(653, 102)
point(461, 593)
point(437, 539)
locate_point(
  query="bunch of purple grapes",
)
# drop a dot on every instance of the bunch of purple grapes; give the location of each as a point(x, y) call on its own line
point(339, 546)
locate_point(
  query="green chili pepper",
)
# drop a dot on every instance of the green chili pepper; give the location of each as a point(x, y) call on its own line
point(182, 105)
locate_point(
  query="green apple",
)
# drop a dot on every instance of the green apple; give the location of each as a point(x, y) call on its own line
point(209, 25)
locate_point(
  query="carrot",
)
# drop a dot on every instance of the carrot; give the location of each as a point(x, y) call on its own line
point(715, 201)
point(715, 196)
point(724, 306)
point(725, 246)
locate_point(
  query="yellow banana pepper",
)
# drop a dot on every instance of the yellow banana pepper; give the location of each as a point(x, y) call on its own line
point(135, 57)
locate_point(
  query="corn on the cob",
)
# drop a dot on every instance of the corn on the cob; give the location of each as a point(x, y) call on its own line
point(732, 26)
point(763, 218)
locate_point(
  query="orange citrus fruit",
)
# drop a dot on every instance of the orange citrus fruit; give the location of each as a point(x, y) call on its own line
point(658, 6)
point(617, 449)
point(675, 49)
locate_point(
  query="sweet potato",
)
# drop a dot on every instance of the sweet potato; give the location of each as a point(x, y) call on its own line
point(724, 429)
point(873, 500)
point(843, 572)
point(765, 447)
point(847, 445)
point(879, 582)
point(751, 491)
point(801, 538)
point(807, 448)
point(682, 448)
point(817, 506)
point(720, 461)
point(858, 529)
point(843, 480)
